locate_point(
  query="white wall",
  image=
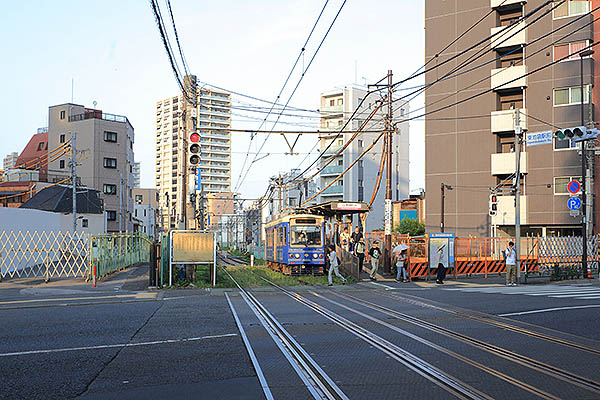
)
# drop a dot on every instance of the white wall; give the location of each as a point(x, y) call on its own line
point(25, 219)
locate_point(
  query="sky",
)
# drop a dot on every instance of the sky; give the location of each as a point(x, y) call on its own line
point(112, 53)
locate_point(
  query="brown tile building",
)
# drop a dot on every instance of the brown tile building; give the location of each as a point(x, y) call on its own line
point(470, 146)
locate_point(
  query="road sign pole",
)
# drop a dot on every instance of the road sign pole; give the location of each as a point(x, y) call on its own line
point(518, 133)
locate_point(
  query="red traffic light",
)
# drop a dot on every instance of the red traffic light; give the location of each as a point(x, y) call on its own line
point(494, 198)
point(194, 137)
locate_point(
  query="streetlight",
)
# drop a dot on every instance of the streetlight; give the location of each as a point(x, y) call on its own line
point(443, 188)
point(582, 54)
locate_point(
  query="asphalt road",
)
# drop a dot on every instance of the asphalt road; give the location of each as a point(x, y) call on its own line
point(68, 340)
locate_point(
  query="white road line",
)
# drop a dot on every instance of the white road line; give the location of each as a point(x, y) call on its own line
point(385, 286)
point(261, 377)
point(110, 346)
point(549, 310)
point(590, 297)
point(561, 296)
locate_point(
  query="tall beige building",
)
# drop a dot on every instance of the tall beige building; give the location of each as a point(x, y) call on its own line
point(213, 111)
point(471, 146)
point(105, 157)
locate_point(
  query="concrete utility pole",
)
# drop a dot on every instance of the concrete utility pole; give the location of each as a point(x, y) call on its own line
point(74, 177)
point(389, 127)
point(518, 136)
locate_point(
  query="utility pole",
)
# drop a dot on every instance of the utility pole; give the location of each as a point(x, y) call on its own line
point(189, 125)
point(279, 184)
point(388, 180)
point(74, 177)
point(518, 136)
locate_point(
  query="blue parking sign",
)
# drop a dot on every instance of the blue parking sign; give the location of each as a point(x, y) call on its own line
point(574, 203)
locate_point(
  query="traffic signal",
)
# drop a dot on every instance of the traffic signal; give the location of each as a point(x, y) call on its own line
point(578, 134)
point(493, 204)
point(194, 149)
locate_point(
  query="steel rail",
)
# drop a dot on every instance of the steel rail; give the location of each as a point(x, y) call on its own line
point(446, 381)
point(487, 320)
point(520, 359)
point(319, 384)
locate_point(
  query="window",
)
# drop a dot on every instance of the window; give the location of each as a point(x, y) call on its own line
point(110, 188)
point(570, 95)
point(340, 102)
point(139, 199)
point(360, 143)
point(136, 213)
point(570, 8)
point(111, 215)
point(340, 182)
point(61, 164)
point(110, 136)
point(340, 162)
point(61, 138)
point(340, 142)
point(569, 50)
point(331, 103)
point(305, 235)
point(84, 223)
point(62, 115)
point(41, 146)
point(561, 182)
point(110, 162)
point(144, 212)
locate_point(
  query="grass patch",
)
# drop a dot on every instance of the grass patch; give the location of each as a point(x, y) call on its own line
point(251, 277)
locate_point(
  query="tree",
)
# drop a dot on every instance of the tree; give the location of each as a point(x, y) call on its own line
point(411, 227)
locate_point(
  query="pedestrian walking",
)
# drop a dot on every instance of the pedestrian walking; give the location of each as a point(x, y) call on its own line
point(441, 267)
point(401, 267)
point(356, 236)
point(510, 258)
point(359, 250)
point(345, 240)
point(374, 253)
point(334, 266)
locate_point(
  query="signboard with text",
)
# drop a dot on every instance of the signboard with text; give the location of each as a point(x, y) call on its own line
point(538, 138)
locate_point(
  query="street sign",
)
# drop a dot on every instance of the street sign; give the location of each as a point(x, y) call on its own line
point(574, 187)
point(574, 203)
point(537, 138)
point(574, 213)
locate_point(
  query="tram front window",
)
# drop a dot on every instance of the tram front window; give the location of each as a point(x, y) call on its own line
point(306, 235)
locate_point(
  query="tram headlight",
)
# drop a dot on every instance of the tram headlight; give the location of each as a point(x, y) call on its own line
point(320, 255)
point(315, 255)
point(297, 255)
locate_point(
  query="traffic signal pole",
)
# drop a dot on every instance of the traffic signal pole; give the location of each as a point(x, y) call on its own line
point(583, 176)
point(518, 136)
point(387, 265)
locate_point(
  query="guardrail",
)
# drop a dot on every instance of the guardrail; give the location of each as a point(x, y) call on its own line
point(115, 252)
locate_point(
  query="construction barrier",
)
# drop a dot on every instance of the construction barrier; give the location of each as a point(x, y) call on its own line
point(44, 254)
point(551, 256)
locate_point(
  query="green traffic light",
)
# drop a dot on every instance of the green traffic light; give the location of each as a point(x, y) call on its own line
point(561, 134)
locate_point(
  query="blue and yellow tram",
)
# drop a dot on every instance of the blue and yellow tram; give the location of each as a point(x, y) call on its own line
point(295, 244)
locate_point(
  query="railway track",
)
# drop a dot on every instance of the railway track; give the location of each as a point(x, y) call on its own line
point(318, 383)
point(450, 383)
point(231, 260)
point(506, 354)
point(498, 322)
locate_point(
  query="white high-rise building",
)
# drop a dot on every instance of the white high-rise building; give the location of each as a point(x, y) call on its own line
point(213, 111)
point(10, 160)
point(136, 174)
point(359, 182)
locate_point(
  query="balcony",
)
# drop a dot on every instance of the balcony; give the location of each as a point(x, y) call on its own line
point(332, 109)
point(509, 77)
point(504, 3)
point(506, 39)
point(504, 121)
point(505, 163)
point(332, 170)
point(332, 150)
point(334, 190)
point(506, 211)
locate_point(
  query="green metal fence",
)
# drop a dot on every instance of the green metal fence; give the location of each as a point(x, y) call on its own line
point(114, 252)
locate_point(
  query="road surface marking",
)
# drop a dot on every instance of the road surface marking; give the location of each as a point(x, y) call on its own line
point(261, 377)
point(110, 346)
point(385, 286)
point(550, 291)
point(548, 310)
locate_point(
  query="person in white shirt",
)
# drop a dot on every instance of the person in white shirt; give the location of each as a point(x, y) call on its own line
point(334, 266)
point(510, 257)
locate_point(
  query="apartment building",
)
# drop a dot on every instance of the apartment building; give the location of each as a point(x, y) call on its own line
point(217, 205)
point(213, 118)
point(10, 160)
point(146, 210)
point(104, 157)
point(358, 183)
point(471, 146)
